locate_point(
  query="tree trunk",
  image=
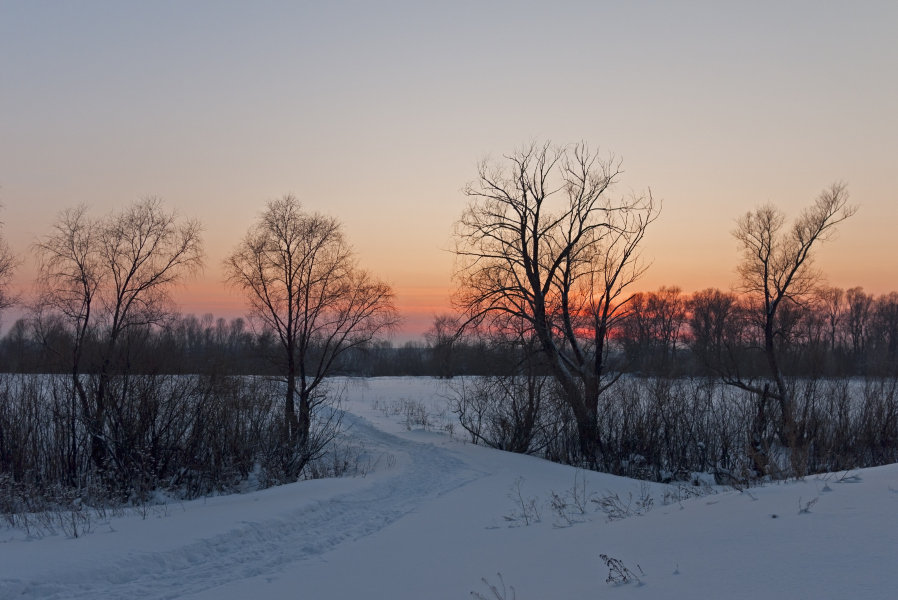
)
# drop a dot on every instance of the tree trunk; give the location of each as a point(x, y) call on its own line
point(583, 402)
point(291, 425)
point(758, 450)
point(303, 423)
point(787, 434)
point(97, 425)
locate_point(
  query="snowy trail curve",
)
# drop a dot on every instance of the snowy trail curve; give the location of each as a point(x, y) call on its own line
point(263, 546)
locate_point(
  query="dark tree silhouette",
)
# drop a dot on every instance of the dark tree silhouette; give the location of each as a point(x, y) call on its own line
point(98, 279)
point(776, 271)
point(542, 242)
point(303, 282)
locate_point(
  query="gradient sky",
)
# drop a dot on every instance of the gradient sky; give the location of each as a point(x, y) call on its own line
point(378, 112)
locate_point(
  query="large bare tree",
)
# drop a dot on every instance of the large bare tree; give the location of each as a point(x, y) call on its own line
point(777, 270)
point(542, 241)
point(303, 282)
point(100, 277)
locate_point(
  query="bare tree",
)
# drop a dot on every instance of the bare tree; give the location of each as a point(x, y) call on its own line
point(833, 304)
point(885, 326)
point(8, 263)
point(303, 282)
point(541, 241)
point(858, 319)
point(712, 316)
point(652, 329)
point(442, 337)
point(100, 277)
point(777, 269)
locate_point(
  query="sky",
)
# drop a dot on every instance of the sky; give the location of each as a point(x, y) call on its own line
point(378, 112)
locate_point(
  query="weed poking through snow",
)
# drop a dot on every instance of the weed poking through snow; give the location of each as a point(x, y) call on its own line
point(497, 594)
point(615, 508)
point(570, 506)
point(806, 509)
point(618, 573)
point(526, 510)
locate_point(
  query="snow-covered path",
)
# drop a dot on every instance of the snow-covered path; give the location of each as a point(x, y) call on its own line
point(428, 523)
point(264, 544)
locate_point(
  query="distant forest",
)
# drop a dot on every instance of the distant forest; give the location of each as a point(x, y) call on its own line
point(661, 333)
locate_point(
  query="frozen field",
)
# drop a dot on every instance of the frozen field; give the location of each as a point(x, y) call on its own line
point(429, 521)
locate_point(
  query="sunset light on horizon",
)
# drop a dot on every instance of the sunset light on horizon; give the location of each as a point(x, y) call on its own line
point(377, 114)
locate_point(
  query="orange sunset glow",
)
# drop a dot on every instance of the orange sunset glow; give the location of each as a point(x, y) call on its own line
point(378, 117)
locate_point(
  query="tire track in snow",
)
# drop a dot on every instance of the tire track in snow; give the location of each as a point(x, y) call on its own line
point(265, 545)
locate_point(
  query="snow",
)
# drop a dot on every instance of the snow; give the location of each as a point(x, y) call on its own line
point(428, 522)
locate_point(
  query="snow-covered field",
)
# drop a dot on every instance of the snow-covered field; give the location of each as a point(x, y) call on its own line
point(429, 521)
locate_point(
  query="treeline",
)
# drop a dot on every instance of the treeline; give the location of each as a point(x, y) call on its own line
point(660, 333)
point(834, 333)
point(191, 345)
